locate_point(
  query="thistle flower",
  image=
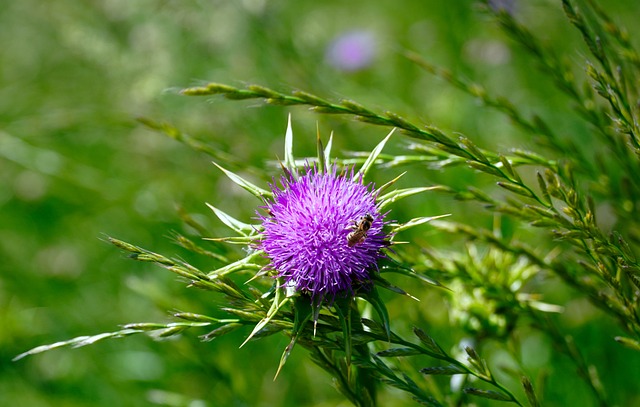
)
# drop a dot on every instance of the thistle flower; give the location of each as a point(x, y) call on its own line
point(352, 51)
point(323, 234)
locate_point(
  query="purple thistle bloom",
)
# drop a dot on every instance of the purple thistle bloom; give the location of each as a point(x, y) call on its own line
point(352, 51)
point(306, 234)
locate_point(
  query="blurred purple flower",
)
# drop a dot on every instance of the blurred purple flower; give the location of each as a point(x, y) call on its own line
point(306, 234)
point(352, 51)
point(507, 5)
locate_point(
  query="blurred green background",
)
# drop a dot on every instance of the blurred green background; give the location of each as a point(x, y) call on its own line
point(75, 166)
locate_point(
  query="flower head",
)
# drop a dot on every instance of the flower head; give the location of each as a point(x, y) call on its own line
point(352, 51)
point(323, 232)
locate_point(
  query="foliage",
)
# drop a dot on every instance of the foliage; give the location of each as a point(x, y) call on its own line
point(562, 234)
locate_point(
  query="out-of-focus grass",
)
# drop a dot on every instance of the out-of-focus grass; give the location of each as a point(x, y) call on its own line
point(75, 165)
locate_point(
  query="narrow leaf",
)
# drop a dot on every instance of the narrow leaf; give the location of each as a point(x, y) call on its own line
point(275, 307)
point(243, 228)
point(381, 282)
point(241, 240)
point(398, 194)
point(253, 189)
point(395, 228)
point(302, 314)
point(244, 263)
point(396, 267)
point(390, 183)
point(327, 149)
point(374, 155)
point(373, 297)
point(343, 308)
point(289, 161)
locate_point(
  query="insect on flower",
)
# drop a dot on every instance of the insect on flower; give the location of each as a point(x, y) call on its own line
point(304, 235)
point(360, 230)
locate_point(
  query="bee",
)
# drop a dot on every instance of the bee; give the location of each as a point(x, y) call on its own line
point(360, 230)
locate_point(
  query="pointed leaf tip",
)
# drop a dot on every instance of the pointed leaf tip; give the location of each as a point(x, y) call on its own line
point(327, 149)
point(390, 183)
point(415, 222)
point(398, 194)
point(243, 228)
point(289, 160)
point(247, 185)
point(374, 155)
point(303, 312)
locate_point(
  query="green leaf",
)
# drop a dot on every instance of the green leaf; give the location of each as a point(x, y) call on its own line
point(343, 308)
point(373, 297)
point(239, 240)
point(273, 311)
point(245, 263)
point(368, 163)
point(289, 160)
point(253, 189)
point(303, 311)
point(395, 228)
point(381, 282)
point(398, 194)
point(390, 183)
point(243, 228)
point(396, 267)
point(327, 149)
